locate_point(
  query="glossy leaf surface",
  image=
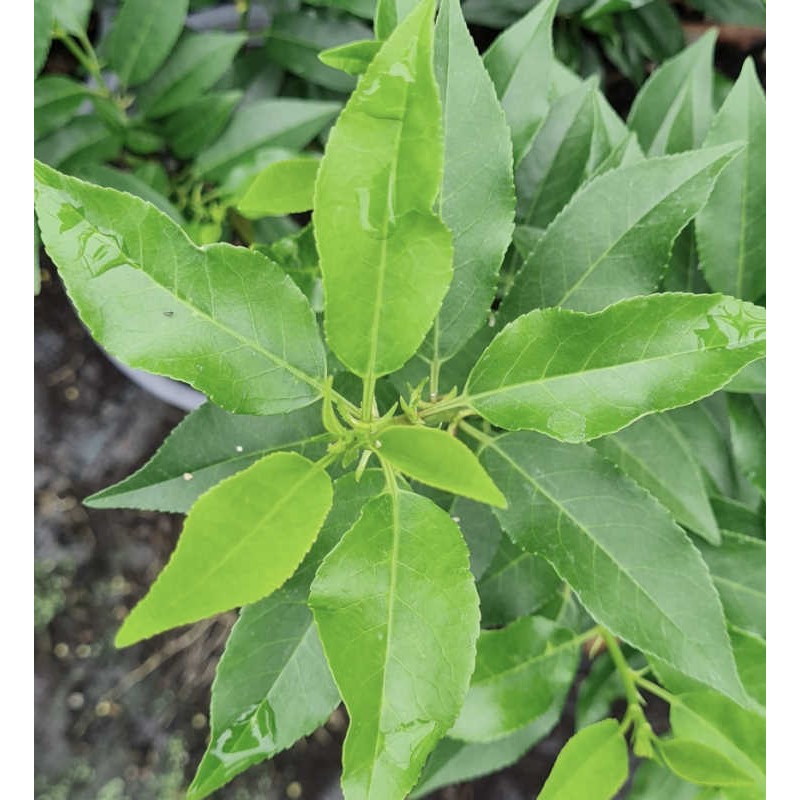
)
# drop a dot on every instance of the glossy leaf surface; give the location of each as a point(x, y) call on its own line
point(285, 187)
point(477, 205)
point(521, 671)
point(386, 258)
point(158, 302)
point(625, 250)
point(577, 376)
point(632, 567)
point(732, 228)
point(273, 684)
point(592, 766)
point(241, 541)
point(397, 612)
point(142, 36)
point(440, 460)
point(208, 446)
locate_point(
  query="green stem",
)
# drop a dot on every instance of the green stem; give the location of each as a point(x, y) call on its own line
point(368, 399)
point(626, 674)
point(86, 57)
point(654, 689)
point(483, 438)
point(456, 404)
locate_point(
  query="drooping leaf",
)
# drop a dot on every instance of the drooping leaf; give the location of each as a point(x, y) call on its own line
point(86, 139)
point(273, 684)
point(197, 63)
point(241, 541)
point(748, 439)
point(697, 763)
point(284, 187)
point(196, 126)
point(592, 766)
point(157, 302)
point(42, 32)
point(477, 205)
point(653, 452)
point(731, 229)
point(519, 62)
point(386, 258)
point(633, 569)
point(208, 446)
point(56, 100)
point(353, 57)
point(516, 583)
point(436, 458)
point(625, 250)
point(673, 111)
point(142, 36)
point(738, 568)
point(481, 531)
point(521, 671)
point(397, 613)
point(285, 122)
point(578, 376)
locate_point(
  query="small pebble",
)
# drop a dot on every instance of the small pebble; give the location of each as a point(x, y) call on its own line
point(83, 651)
point(61, 650)
point(294, 790)
point(71, 393)
point(75, 701)
point(103, 708)
point(199, 721)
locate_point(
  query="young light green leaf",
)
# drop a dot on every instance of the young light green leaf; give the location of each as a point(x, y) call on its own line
point(272, 658)
point(142, 36)
point(83, 140)
point(733, 256)
point(284, 187)
point(397, 613)
point(592, 766)
point(481, 531)
point(55, 102)
point(519, 62)
point(386, 258)
point(653, 452)
point(515, 584)
point(157, 302)
point(673, 111)
point(748, 439)
point(196, 64)
point(632, 567)
point(295, 39)
point(208, 446)
point(477, 205)
point(625, 250)
point(241, 541)
point(578, 376)
point(697, 763)
point(436, 458)
point(283, 122)
point(750, 653)
point(353, 57)
point(521, 671)
point(197, 125)
point(389, 14)
point(738, 568)
point(42, 32)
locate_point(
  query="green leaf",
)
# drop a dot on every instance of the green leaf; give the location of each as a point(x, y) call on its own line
point(397, 613)
point(241, 541)
point(673, 111)
point(273, 657)
point(196, 64)
point(734, 516)
point(83, 140)
point(284, 187)
point(597, 691)
point(42, 32)
point(297, 255)
point(653, 452)
point(578, 376)
point(353, 57)
point(736, 12)
point(481, 531)
point(751, 380)
point(72, 15)
point(750, 653)
point(56, 100)
point(294, 41)
point(196, 126)
point(592, 766)
point(521, 671)
point(738, 568)
point(436, 458)
point(699, 764)
point(283, 122)
point(600, 8)
point(209, 445)
point(516, 583)
point(732, 228)
point(748, 438)
point(386, 258)
point(625, 250)
point(652, 781)
point(716, 722)
point(633, 569)
point(359, 8)
point(556, 164)
point(477, 205)
point(142, 36)
point(389, 14)
point(133, 276)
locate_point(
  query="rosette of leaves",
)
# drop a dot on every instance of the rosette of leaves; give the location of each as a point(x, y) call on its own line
point(489, 444)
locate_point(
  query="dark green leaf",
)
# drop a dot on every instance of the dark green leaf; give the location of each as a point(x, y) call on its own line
point(360, 8)
point(751, 380)
point(750, 653)
point(56, 100)
point(42, 32)
point(652, 781)
point(736, 12)
point(748, 438)
point(481, 532)
point(84, 140)
point(598, 690)
point(133, 276)
point(196, 126)
point(734, 516)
